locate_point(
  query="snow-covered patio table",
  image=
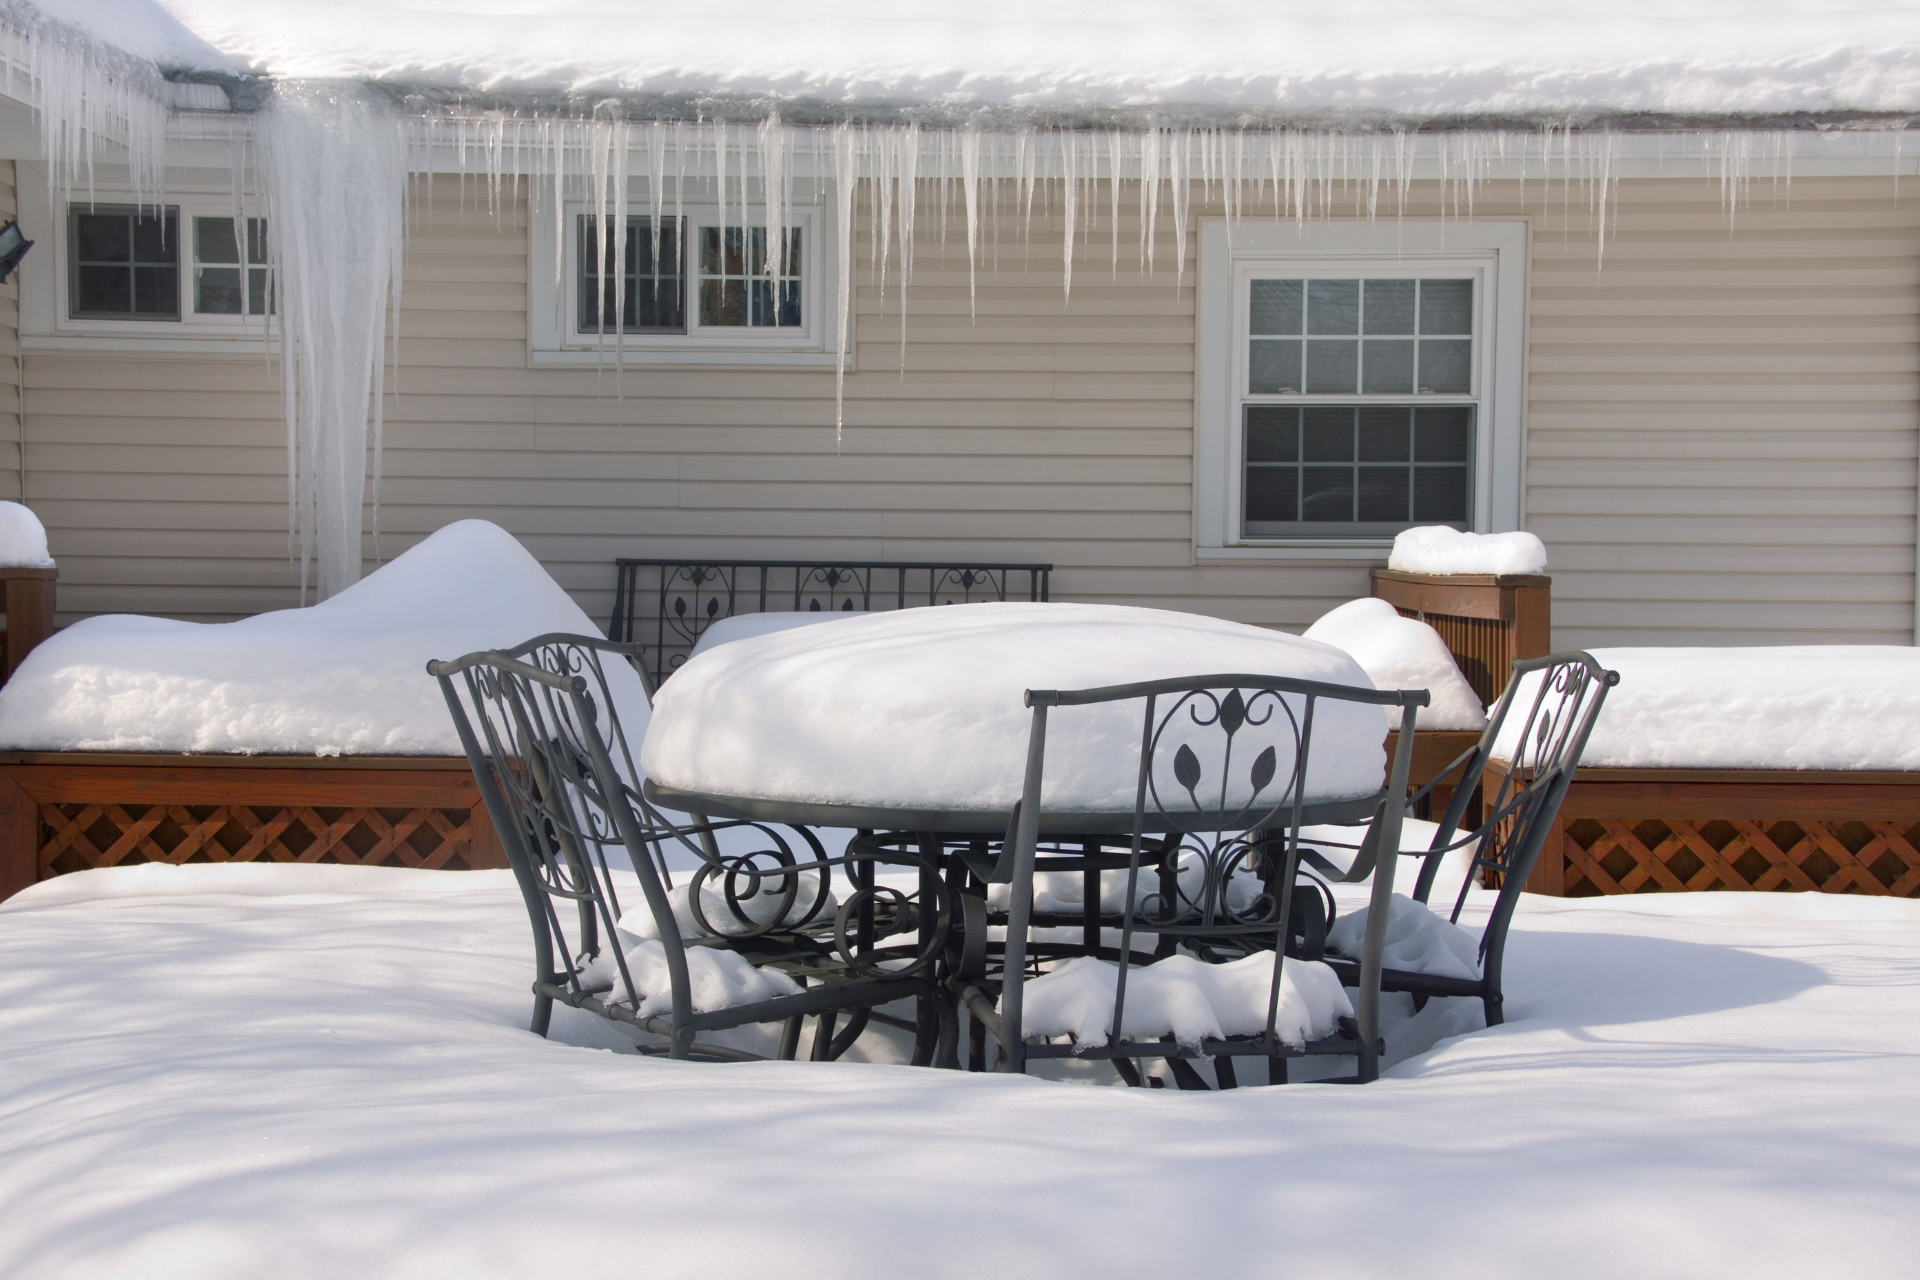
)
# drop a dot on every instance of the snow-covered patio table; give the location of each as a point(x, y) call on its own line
point(916, 720)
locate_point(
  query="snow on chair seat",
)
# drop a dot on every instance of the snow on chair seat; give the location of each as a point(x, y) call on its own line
point(1187, 999)
point(1418, 941)
point(716, 980)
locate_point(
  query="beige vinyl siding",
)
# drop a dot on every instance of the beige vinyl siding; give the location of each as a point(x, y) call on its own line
point(1721, 429)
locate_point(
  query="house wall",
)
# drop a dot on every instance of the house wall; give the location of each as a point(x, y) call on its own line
point(11, 467)
point(1721, 428)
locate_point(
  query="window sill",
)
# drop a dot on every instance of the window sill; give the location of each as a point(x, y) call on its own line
point(1350, 549)
point(630, 357)
point(201, 343)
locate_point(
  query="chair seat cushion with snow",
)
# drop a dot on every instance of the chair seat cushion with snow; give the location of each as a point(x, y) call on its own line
point(1185, 998)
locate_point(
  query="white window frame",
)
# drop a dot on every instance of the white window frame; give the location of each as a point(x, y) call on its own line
point(555, 337)
point(45, 298)
point(1494, 253)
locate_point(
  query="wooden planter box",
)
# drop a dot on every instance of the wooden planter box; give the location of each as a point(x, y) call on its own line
point(1654, 830)
point(68, 811)
point(29, 601)
point(1487, 621)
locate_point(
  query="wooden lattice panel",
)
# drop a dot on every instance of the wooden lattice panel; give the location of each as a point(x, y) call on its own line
point(1607, 855)
point(76, 836)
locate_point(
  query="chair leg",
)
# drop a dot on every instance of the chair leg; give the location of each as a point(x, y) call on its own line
point(1223, 1071)
point(790, 1038)
point(1276, 1070)
point(947, 1042)
point(1128, 1072)
point(1185, 1076)
point(542, 1015)
point(926, 1029)
point(823, 1036)
point(976, 1045)
point(1494, 1003)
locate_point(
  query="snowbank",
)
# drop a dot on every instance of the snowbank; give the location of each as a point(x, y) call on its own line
point(745, 626)
point(1402, 653)
point(315, 1072)
point(1439, 549)
point(345, 677)
point(23, 539)
point(925, 707)
point(1370, 57)
point(1791, 707)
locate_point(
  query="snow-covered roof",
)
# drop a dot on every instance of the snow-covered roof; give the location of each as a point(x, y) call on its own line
point(1365, 58)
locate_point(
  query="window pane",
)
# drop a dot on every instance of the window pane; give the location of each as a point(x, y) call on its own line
point(259, 296)
point(1384, 434)
point(1329, 435)
point(256, 239)
point(154, 239)
point(103, 289)
point(1446, 365)
point(790, 300)
point(103, 237)
point(217, 291)
point(1389, 306)
point(1275, 307)
point(1333, 306)
point(1333, 366)
point(1440, 494)
point(156, 291)
point(214, 241)
point(1446, 307)
point(1327, 493)
point(1443, 435)
point(1389, 366)
point(1383, 493)
point(1273, 366)
point(723, 302)
point(1273, 435)
point(648, 296)
point(1273, 494)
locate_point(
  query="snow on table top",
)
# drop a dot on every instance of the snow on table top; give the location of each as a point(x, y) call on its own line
point(344, 677)
point(1439, 549)
point(745, 626)
point(305, 1072)
point(1459, 56)
point(925, 708)
point(1790, 707)
point(23, 539)
point(1402, 653)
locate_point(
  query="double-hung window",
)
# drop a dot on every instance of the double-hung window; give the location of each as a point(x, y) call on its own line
point(164, 263)
point(1356, 380)
point(695, 286)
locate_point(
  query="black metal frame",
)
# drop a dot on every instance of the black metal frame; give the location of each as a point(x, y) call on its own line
point(557, 774)
point(1255, 835)
point(1519, 815)
point(688, 596)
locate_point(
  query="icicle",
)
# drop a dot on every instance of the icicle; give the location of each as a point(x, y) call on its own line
point(1149, 195)
point(1070, 188)
point(970, 192)
point(845, 175)
point(657, 194)
point(907, 166)
point(1181, 199)
point(1113, 194)
point(773, 180)
point(333, 171)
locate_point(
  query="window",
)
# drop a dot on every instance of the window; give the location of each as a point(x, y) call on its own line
point(1355, 380)
point(218, 266)
point(692, 287)
point(125, 263)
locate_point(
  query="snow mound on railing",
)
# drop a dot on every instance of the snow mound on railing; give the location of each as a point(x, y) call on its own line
point(23, 539)
point(1837, 706)
point(925, 707)
point(1402, 653)
point(344, 677)
point(1439, 549)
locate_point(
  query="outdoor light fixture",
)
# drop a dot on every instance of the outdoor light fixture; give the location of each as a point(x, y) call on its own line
point(13, 247)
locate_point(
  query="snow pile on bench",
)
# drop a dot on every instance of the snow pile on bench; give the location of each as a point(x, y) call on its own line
point(1785, 707)
point(1439, 549)
point(23, 539)
point(1186, 999)
point(344, 677)
point(1403, 653)
point(1418, 941)
point(925, 707)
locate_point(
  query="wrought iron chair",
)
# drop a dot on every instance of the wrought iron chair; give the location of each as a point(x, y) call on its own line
point(1220, 795)
point(754, 936)
point(1557, 699)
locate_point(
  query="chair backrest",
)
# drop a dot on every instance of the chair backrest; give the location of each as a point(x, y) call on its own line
point(1224, 771)
point(1539, 729)
point(540, 726)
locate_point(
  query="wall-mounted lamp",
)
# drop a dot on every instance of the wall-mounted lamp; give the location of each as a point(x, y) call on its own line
point(13, 247)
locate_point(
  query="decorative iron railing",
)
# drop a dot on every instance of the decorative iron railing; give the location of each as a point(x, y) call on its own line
point(667, 605)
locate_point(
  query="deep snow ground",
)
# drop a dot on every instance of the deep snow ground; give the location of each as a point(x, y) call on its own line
point(294, 1072)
